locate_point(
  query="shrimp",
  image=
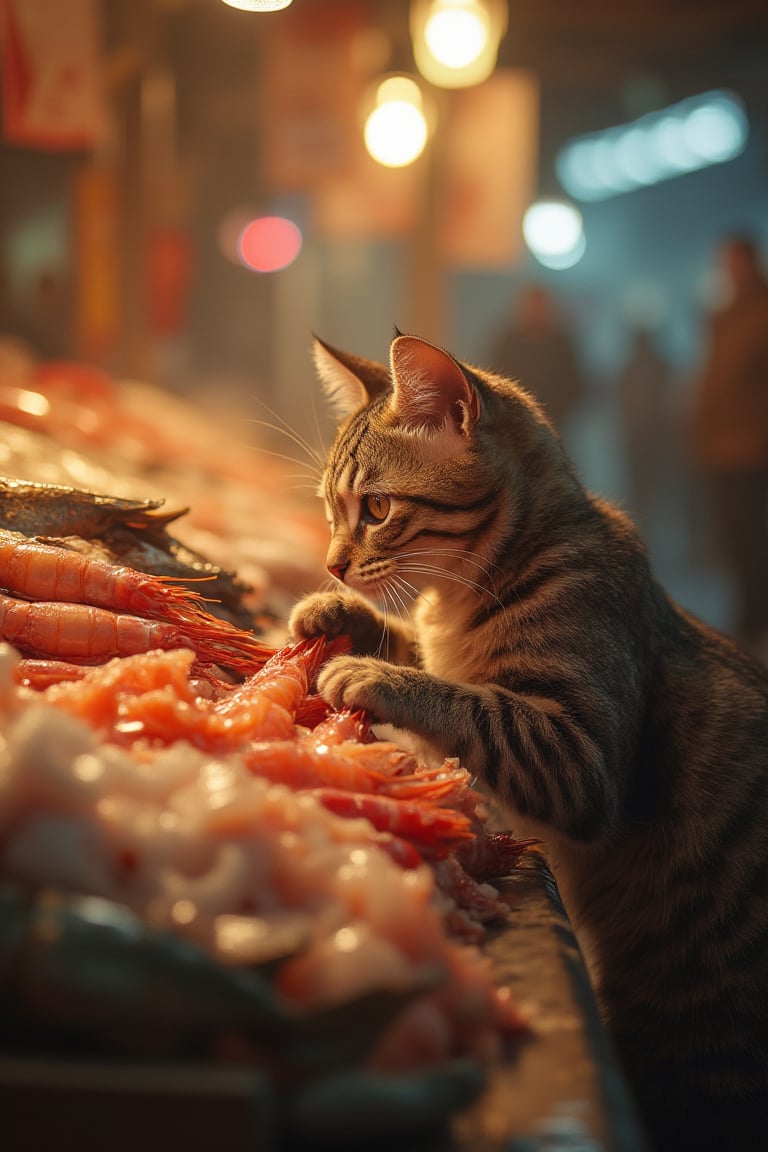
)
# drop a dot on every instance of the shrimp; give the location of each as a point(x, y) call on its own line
point(41, 673)
point(80, 631)
point(40, 571)
point(299, 765)
point(337, 727)
point(494, 854)
point(365, 768)
point(435, 831)
point(264, 706)
point(44, 572)
point(284, 679)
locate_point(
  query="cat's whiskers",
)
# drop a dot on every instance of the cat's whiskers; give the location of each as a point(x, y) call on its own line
point(314, 475)
point(407, 588)
point(382, 601)
point(434, 570)
point(412, 592)
point(401, 589)
point(317, 456)
point(464, 553)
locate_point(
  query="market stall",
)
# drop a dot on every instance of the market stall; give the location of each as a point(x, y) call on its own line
point(224, 908)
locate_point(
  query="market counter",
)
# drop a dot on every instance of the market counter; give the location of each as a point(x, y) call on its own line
point(560, 1089)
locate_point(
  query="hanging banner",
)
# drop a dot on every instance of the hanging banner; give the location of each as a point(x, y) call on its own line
point(51, 74)
point(370, 201)
point(488, 171)
point(170, 267)
point(310, 90)
point(97, 242)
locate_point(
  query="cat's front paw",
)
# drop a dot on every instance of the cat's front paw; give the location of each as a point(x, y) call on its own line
point(336, 614)
point(362, 682)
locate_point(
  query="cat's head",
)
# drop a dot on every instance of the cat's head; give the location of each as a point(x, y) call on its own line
point(428, 468)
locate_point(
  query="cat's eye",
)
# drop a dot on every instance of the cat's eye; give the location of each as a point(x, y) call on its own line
point(375, 508)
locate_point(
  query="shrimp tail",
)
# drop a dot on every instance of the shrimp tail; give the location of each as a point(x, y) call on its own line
point(494, 854)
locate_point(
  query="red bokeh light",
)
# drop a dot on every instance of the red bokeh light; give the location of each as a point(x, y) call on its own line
point(269, 243)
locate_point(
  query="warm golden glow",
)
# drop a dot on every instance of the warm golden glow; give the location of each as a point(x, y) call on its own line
point(456, 34)
point(456, 42)
point(258, 5)
point(396, 130)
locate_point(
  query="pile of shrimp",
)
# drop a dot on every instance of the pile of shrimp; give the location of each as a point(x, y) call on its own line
point(57, 604)
point(216, 810)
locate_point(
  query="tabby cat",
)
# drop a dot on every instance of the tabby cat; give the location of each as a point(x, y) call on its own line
point(536, 645)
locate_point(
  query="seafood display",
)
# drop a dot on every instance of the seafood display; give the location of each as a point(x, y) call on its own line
point(198, 857)
point(67, 427)
point(204, 809)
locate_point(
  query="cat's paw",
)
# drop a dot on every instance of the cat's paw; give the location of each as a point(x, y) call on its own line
point(336, 614)
point(362, 682)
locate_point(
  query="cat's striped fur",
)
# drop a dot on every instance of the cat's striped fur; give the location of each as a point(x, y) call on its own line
point(541, 650)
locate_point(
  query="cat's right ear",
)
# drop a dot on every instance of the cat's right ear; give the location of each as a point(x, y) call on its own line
point(349, 382)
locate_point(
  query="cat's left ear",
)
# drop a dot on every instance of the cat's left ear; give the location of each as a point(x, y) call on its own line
point(431, 391)
point(350, 382)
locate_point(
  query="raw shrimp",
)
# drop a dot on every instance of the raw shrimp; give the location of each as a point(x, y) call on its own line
point(81, 631)
point(43, 572)
point(436, 831)
point(41, 673)
point(299, 765)
point(494, 854)
point(286, 676)
point(481, 901)
point(365, 768)
point(264, 706)
point(337, 727)
point(40, 571)
point(152, 697)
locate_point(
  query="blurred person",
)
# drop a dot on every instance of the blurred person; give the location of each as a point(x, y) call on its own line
point(536, 348)
point(647, 421)
point(730, 434)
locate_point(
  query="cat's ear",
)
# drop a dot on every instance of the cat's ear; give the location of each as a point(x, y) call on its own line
point(349, 382)
point(431, 391)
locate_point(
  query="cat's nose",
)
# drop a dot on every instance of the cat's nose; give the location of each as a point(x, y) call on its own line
point(338, 570)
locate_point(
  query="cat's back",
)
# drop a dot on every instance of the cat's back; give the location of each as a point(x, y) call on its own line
point(675, 910)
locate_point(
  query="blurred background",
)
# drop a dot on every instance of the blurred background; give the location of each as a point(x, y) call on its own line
point(189, 190)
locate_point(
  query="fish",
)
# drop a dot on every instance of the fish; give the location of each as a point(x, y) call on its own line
point(119, 531)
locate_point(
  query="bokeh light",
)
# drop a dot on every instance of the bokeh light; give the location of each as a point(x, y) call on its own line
point(258, 5)
point(456, 34)
point(703, 130)
point(269, 243)
point(554, 233)
point(456, 42)
point(396, 130)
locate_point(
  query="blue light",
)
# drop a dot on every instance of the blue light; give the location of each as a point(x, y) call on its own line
point(708, 129)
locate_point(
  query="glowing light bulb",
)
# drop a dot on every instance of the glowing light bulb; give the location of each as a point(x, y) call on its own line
point(457, 34)
point(456, 42)
point(258, 5)
point(396, 130)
